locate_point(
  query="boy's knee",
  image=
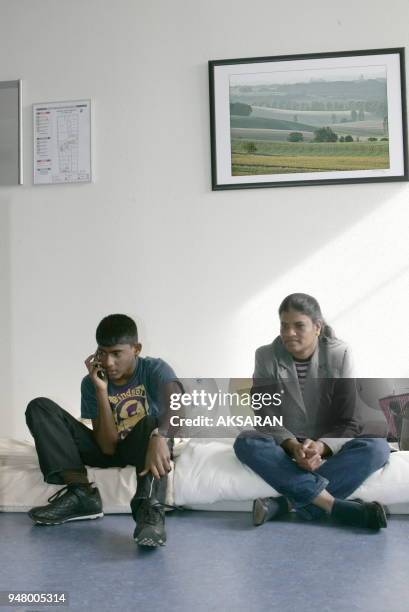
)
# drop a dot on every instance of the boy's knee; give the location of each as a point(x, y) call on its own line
point(36, 405)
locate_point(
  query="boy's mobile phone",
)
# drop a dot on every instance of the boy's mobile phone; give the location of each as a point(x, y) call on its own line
point(101, 372)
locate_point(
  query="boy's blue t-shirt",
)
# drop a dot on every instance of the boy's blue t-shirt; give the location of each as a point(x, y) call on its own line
point(133, 400)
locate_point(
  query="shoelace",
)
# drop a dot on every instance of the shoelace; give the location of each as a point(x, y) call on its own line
point(151, 511)
point(168, 506)
point(61, 492)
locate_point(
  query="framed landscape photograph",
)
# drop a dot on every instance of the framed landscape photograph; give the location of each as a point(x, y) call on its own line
point(308, 119)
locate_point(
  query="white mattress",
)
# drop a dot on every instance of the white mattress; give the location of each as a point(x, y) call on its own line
point(209, 476)
point(206, 476)
point(22, 485)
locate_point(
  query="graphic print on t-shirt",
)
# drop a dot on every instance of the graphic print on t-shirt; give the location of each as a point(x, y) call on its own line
point(128, 408)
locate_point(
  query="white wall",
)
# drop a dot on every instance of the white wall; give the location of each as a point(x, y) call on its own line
point(202, 272)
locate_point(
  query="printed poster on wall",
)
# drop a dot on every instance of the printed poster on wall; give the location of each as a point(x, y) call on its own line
point(62, 142)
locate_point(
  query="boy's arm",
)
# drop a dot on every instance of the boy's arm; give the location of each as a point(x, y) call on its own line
point(157, 458)
point(104, 430)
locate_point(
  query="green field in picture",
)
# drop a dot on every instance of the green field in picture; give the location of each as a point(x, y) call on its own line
point(289, 122)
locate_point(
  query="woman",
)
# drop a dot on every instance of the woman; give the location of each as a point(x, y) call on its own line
point(312, 369)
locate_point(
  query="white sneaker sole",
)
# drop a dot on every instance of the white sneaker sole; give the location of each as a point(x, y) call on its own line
point(149, 542)
point(74, 518)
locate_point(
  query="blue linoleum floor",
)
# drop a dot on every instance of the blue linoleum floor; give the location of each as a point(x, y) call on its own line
point(213, 561)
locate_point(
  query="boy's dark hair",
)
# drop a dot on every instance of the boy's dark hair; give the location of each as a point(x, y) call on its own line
point(116, 329)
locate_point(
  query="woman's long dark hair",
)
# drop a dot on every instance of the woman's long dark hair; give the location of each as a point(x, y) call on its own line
point(308, 305)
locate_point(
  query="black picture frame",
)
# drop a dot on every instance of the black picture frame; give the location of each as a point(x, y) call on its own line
point(360, 96)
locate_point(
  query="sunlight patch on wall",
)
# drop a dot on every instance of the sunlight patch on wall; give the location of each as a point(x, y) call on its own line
point(361, 280)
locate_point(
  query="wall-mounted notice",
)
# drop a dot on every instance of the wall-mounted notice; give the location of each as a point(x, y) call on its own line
point(62, 142)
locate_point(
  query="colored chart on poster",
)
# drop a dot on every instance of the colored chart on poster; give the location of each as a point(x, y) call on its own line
point(62, 142)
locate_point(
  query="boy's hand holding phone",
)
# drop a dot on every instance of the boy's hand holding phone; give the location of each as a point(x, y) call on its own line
point(96, 371)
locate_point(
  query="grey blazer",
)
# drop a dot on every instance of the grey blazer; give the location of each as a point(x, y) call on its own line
point(330, 360)
point(326, 409)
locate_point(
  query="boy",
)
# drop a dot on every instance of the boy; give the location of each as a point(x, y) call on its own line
point(127, 397)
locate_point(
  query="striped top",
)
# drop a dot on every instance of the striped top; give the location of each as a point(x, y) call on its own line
point(302, 365)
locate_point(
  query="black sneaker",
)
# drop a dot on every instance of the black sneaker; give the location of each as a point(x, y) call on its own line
point(147, 507)
point(150, 525)
point(71, 503)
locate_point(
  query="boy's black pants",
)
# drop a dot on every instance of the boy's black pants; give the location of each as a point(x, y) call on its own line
point(63, 443)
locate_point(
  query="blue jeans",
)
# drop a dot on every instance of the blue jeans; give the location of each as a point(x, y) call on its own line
point(340, 475)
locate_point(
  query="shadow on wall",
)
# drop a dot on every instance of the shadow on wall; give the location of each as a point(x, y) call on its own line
point(5, 313)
